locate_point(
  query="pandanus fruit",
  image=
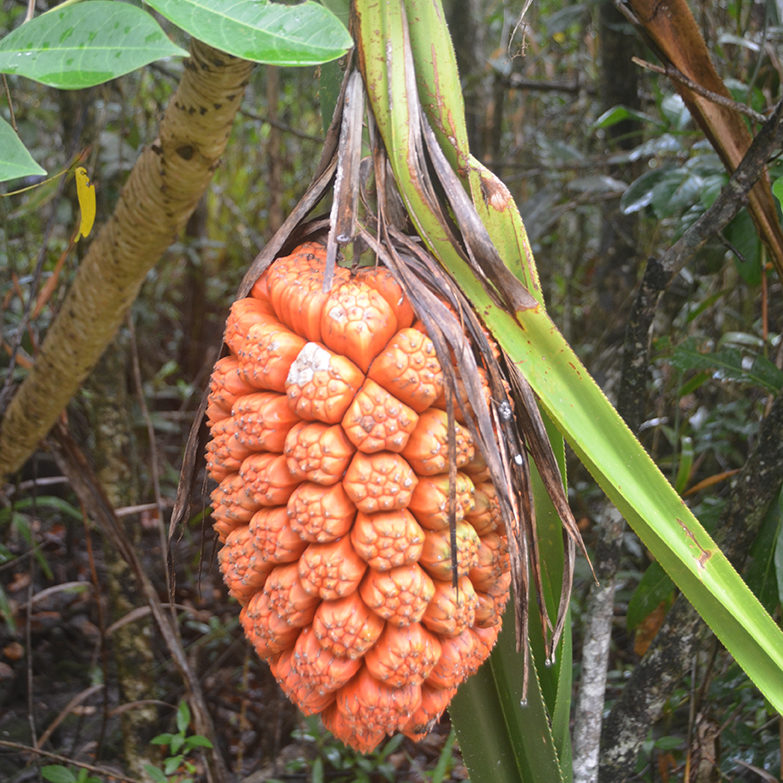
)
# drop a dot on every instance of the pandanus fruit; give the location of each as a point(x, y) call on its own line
point(330, 446)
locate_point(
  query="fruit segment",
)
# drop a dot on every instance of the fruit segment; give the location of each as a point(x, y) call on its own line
point(295, 284)
point(320, 513)
point(382, 280)
point(387, 539)
point(262, 421)
point(427, 451)
point(356, 322)
point(317, 452)
point(321, 385)
point(430, 500)
point(267, 353)
point(379, 482)
point(335, 502)
point(409, 369)
point(403, 655)
point(378, 421)
point(331, 570)
point(401, 596)
point(436, 555)
point(347, 626)
point(225, 386)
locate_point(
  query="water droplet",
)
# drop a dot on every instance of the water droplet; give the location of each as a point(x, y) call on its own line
point(523, 702)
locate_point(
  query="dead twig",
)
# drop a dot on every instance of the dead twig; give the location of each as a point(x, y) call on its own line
point(678, 76)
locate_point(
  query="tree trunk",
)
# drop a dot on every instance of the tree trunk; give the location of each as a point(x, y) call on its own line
point(162, 191)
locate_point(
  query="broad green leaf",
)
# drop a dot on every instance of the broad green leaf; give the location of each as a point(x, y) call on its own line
point(633, 482)
point(640, 191)
point(764, 574)
point(85, 44)
point(56, 773)
point(155, 773)
point(263, 32)
point(675, 192)
point(676, 112)
point(15, 160)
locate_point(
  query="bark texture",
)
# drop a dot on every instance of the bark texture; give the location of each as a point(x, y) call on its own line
point(162, 191)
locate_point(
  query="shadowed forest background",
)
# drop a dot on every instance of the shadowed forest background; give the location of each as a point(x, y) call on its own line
point(608, 170)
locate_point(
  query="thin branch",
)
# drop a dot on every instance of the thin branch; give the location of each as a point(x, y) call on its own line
point(677, 75)
point(107, 774)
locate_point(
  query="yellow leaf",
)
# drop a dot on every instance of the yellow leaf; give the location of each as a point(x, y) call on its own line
point(85, 192)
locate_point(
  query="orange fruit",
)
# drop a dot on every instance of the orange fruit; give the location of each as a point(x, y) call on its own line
point(330, 446)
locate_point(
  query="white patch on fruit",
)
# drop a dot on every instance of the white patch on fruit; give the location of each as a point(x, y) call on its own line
point(310, 360)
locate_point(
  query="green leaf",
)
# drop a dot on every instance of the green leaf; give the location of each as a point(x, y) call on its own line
point(263, 32)
point(779, 563)
point(741, 233)
point(177, 741)
point(15, 160)
point(654, 587)
point(619, 113)
point(777, 190)
point(46, 501)
point(171, 764)
point(155, 773)
point(729, 364)
point(764, 574)
point(183, 717)
point(197, 741)
point(56, 773)
point(640, 191)
point(506, 741)
point(85, 44)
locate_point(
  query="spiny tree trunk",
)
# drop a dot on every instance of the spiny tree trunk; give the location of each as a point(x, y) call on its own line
point(162, 191)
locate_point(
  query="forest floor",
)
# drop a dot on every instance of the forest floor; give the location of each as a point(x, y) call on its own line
point(61, 690)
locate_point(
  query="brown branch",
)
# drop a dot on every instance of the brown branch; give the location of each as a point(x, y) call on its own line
point(164, 187)
point(677, 75)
